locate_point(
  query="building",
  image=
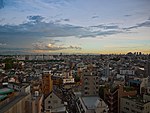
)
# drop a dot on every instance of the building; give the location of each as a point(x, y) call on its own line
point(127, 72)
point(21, 87)
point(16, 104)
point(90, 83)
point(112, 96)
point(140, 84)
point(54, 104)
point(134, 105)
point(57, 80)
point(91, 104)
point(147, 68)
point(34, 104)
point(47, 83)
point(13, 98)
point(68, 80)
point(20, 57)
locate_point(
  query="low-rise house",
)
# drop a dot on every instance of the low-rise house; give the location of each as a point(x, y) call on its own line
point(54, 103)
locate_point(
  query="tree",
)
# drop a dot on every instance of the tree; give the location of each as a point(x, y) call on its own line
point(8, 63)
point(101, 92)
point(77, 79)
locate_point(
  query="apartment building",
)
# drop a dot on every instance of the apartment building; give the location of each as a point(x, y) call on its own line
point(134, 105)
point(112, 96)
point(90, 83)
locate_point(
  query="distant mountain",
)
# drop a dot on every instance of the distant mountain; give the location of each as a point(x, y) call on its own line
point(1, 4)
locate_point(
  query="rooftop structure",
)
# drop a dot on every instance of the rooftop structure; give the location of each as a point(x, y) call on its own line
point(91, 104)
point(4, 91)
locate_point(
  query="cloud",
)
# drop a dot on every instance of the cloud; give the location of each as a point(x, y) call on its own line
point(56, 2)
point(1, 4)
point(1, 20)
point(2, 44)
point(67, 20)
point(103, 33)
point(14, 51)
point(95, 17)
point(36, 27)
point(143, 24)
point(127, 15)
point(52, 46)
point(102, 26)
point(36, 18)
point(62, 20)
point(74, 47)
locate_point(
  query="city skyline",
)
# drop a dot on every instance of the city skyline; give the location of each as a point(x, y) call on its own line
point(74, 26)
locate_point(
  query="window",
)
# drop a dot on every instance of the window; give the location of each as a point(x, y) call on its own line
point(78, 101)
point(127, 103)
point(86, 93)
point(50, 96)
point(126, 108)
point(86, 83)
point(86, 78)
point(86, 88)
point(133, 111)
point(123, 112)
point(49, 107)
point(49, 101)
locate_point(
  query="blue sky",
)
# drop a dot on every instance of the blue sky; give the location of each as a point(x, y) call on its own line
point(74, 26)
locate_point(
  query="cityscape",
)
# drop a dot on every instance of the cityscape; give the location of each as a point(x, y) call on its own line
point(74, 56)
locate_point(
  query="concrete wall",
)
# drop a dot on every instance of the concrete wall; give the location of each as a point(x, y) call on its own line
point(52, 101)
point(19, 107)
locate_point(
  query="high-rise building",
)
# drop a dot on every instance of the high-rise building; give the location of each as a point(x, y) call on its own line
point(90, 83)
point(47, 83)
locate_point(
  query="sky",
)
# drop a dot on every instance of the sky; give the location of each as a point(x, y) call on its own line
point(74, 26)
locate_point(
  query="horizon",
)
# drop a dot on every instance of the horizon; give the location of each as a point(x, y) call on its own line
point(74, 26)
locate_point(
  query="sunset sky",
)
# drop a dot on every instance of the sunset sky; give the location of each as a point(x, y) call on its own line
point(74, 26)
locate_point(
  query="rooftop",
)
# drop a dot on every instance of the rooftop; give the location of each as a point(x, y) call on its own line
point(20, 84)
point(137, 99)
point(128, 88)
point(135, 81)
point(2, 96)
point(90, 101)
point(5, 91)
point(59, 109)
